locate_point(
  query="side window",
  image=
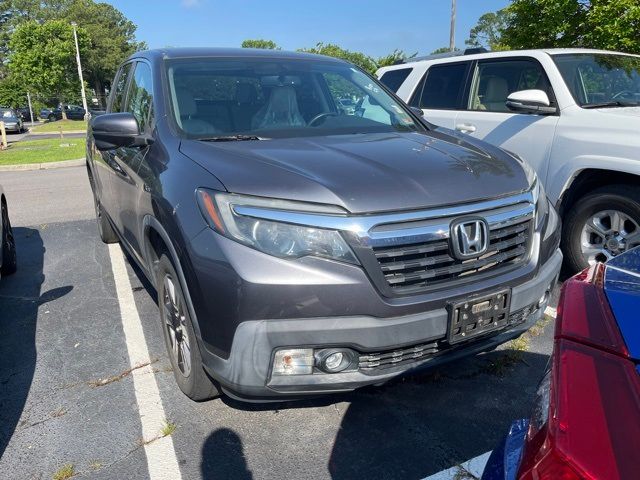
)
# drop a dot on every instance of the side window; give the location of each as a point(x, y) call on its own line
point(119, 88)
point(495, 81)
point(395, 78)
point(443, 87)
point(140, 98)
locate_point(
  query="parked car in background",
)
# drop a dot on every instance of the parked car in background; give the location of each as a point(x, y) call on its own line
point(573, 114)
point(12, 120)
point(8, 259)
point(297, 250)
point(25, 114)
point(74, 112)
point(586, 418)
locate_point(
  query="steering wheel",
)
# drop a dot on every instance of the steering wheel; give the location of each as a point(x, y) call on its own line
point(320, 116)
point(623, 94)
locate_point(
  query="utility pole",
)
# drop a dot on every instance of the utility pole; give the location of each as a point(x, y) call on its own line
point(452, 32)
point(84, 97)
point(30, 109)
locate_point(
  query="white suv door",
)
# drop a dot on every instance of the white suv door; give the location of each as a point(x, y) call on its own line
point(487, 117)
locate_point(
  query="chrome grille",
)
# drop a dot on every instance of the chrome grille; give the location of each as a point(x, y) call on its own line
point(413, 267)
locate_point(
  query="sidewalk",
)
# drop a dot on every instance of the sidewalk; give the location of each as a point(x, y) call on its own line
point(43, 166)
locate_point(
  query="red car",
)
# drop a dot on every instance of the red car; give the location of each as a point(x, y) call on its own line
point(586, 419)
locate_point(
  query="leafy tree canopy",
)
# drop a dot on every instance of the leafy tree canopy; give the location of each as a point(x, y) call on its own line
point(604, 24)
point(488, 31)
point(393, 58)
point(363, 61)
point(259, 43)
point(43, 58)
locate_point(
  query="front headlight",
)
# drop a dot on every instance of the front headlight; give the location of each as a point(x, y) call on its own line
point(541, 202)
point(280, 239)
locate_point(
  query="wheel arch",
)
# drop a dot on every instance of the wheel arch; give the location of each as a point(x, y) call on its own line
point(591, 178)
point(157, 242)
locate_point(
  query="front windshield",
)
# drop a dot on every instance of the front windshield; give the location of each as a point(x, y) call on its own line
point(280, 98)
point(601, 79)
point(6, 113)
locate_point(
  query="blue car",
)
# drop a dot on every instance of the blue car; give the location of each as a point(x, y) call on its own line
point(586, 418)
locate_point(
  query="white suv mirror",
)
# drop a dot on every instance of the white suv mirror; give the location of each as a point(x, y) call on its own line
point(530, 101)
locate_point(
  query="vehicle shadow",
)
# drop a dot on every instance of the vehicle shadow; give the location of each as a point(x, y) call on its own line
point(20, 298)
point(223, 456)
point(418, 425)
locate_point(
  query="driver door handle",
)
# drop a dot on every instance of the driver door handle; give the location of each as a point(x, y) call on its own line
point(465, 127)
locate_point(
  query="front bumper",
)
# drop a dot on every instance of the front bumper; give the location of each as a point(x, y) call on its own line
point(246, 372)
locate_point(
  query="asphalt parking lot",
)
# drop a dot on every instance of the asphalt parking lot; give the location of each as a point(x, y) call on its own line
point(67, 391)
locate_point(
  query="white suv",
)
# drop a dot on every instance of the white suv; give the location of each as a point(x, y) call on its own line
point(573, 114)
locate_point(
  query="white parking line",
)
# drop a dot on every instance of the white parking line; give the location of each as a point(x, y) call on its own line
point(161, 456)
point(470, 469)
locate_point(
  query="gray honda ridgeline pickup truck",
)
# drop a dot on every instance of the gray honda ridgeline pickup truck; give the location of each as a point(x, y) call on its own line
point(299, 247)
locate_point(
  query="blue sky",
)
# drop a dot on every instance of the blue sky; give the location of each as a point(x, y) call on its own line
point(374, 27)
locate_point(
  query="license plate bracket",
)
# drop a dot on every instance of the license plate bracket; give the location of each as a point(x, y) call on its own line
point(478, 316)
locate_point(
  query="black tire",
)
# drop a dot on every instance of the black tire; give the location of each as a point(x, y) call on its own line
point(195, 383)
point(624, 198)
point(52, 118)
point(9, 256)
point(105, 229)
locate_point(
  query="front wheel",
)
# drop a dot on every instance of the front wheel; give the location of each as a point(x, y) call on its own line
point(180, 337)
point(9, 256)
point(601, 225)
point(105, 230)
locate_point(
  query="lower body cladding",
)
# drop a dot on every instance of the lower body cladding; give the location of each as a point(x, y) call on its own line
point(279, 359)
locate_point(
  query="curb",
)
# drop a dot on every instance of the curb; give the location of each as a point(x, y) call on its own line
point(43, 166)
point(56, 132)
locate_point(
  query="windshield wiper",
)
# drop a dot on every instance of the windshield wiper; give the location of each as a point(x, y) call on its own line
point(232, 138)
point(611, 104)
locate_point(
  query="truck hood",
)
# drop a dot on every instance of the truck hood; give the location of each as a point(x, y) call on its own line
point(364, 172)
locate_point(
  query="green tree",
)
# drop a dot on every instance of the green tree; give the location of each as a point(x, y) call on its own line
point(395, 57)
point(12, 94)
point(110, 33)
point(363, 61)
point(488, 31)
point(43, 58)
point(112, 39)
point(606, 24)
point(260, 43)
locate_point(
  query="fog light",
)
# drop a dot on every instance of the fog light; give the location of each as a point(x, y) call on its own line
point(333, 360)
point(295, 361)
point(543, 299)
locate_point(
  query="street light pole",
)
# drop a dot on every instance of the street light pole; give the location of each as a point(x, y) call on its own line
point(84, 97)
point(30, 108)
point(452, 32)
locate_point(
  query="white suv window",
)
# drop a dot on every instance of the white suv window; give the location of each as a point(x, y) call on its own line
point(442, 87)
point(494, 81)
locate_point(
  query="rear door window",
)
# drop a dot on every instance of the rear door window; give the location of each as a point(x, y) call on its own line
point(395, 78)
point(120, 88)
point(442, 87)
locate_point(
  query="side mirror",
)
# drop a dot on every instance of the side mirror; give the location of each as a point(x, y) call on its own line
point(530, 101)
point(113, 130)
point(417, 111)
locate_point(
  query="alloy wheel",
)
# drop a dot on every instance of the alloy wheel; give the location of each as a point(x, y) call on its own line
point(608, 233)
point(175, 322)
